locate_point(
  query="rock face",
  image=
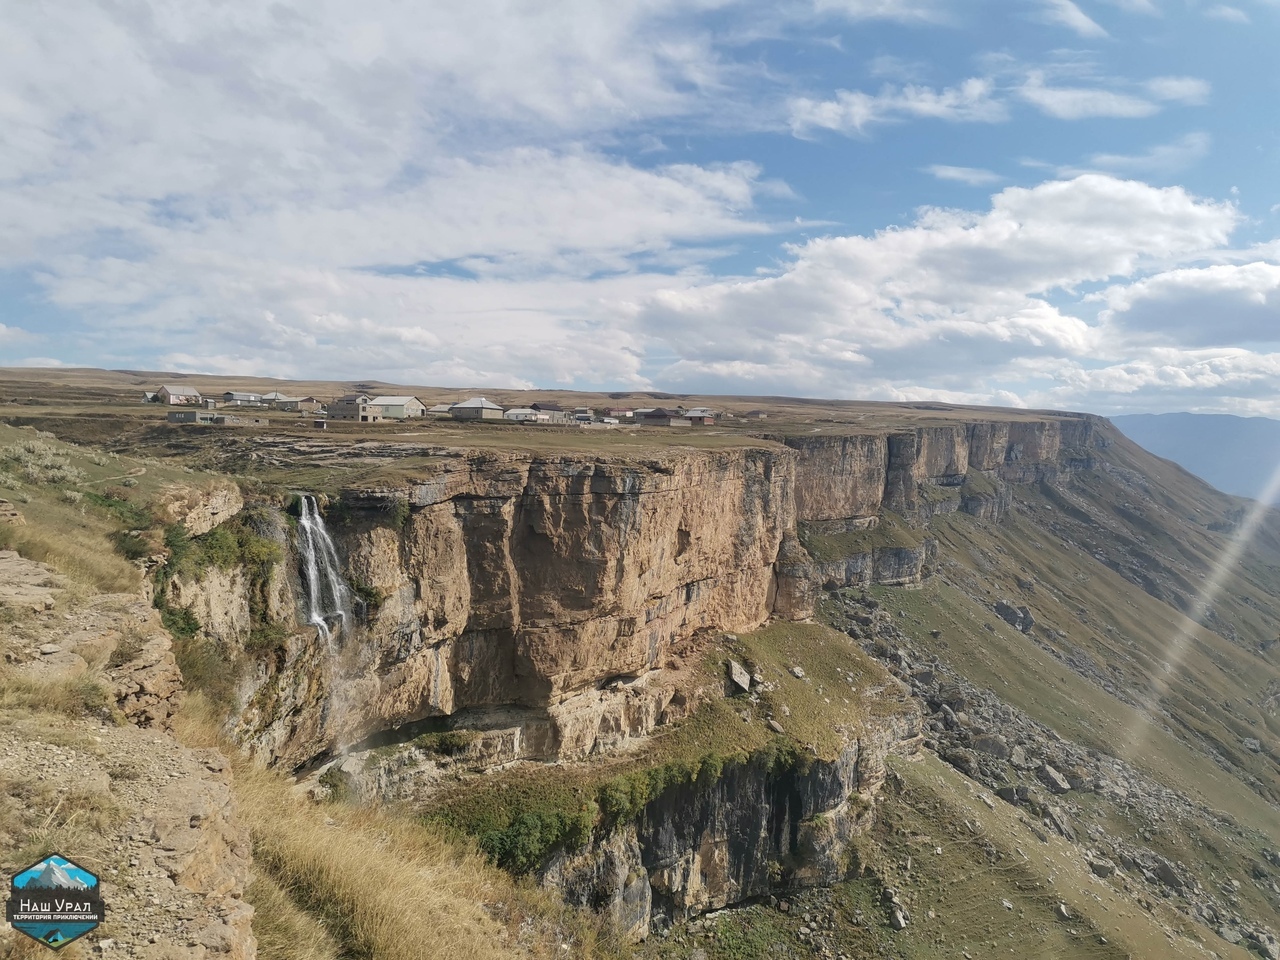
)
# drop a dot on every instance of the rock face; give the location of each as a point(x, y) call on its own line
point(200, 509)
point(11, 514)
point(530, 583)
point(760, 826)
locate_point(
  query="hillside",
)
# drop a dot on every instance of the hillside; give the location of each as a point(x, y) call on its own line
point(859, 680)
point(1238, 455)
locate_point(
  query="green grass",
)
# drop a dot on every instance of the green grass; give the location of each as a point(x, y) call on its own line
point(520, 815)
point(826, 544)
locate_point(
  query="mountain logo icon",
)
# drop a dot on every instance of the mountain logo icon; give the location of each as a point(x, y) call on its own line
point(55, 901)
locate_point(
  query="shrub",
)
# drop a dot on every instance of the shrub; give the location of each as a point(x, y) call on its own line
point(129, 544)
point(266, 638)
point(526, 842)
point(39, 462)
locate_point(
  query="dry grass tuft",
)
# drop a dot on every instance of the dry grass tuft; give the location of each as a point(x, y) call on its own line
point(285, 931)
point(69, 696)
point(381, 885)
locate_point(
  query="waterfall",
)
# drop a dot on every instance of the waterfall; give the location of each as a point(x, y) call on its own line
point(328, 597)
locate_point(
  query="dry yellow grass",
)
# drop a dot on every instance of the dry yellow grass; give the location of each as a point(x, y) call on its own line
point(284, 931)
point(381, 885)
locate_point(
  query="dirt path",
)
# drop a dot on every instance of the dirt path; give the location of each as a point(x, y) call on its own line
point(118, 794)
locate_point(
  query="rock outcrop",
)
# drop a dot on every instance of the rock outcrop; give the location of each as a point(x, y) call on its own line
point(762, 825)
point(516, 581)
point(200, 509)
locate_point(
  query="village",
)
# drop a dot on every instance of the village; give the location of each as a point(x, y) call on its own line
point(236, 407)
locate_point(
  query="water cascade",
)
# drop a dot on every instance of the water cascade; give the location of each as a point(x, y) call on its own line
point(328, 597)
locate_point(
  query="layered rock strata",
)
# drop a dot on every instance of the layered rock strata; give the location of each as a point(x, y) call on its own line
point(760, 826)
point(497, 581)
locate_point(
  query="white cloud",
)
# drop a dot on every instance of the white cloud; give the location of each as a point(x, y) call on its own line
point(1079, 103)
point(955, 298)
point(902, 10)
point(1163, 158)
point(1064, 13)
point(1136, 6)
point(1219, 305)
point(1189, 90)
point(974, 176)
point(852, 111)
point(1230, 14)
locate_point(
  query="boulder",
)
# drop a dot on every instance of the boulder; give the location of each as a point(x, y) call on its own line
point(1052, 779)
point(739, 679)
point(1102, 867)
point(992, 744)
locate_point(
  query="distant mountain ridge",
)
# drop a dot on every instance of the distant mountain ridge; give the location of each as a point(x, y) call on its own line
point(1235, 454)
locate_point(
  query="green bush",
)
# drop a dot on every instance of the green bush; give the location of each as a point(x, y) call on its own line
point(267, 638)
point(133, 516)
point(129, 545)
point(180, 622)
point(218, 548)
point(526, 842)
point(447, 743)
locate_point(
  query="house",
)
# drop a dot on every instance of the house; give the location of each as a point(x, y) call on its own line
point(300, 405)
point(399, 408)
point(755, 415)
point(175, 396)
point(354, 406)
point(274, 399)
point(619, 413)
point(150, 396)
point(526, 415)
point(660, 417)
point(234, 398)
point(439, 410)
point(477, 408)
point(189, 416)
point(555, 413)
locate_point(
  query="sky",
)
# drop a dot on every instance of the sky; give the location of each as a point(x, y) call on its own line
point(1045, 203)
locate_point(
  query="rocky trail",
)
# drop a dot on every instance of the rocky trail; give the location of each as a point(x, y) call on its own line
point(112, 788)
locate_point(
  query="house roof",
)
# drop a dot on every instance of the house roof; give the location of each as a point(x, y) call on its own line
point(353, 398)
point(180, 391)
point(440, 408)
point(522, 410)
point(546, 407)
point(275, 396)
point(242, 396)
point(476, 402)
point(392, 401)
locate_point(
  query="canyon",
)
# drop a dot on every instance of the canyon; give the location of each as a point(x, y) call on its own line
point(668, 677)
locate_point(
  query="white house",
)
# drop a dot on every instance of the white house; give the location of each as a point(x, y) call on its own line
point(174, 395)
point(477, 408)
point(526, 415)
point(399, 408)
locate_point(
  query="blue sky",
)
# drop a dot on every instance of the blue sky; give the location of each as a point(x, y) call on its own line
point(1026, 202)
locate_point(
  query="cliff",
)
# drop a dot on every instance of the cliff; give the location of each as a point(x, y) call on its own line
point(530, 593)
point(769, 823)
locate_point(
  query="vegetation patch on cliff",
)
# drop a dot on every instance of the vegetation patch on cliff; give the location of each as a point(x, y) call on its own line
point(818, 684)
point(522, 815)
point(825, 542)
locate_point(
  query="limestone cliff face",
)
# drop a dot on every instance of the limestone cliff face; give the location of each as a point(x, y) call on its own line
point(200, 509)
point(761, 826)
point(842, 477)
point(536, 583)
point(526, 582)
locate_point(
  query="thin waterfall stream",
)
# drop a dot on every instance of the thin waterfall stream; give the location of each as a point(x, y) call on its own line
point(328, 596)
